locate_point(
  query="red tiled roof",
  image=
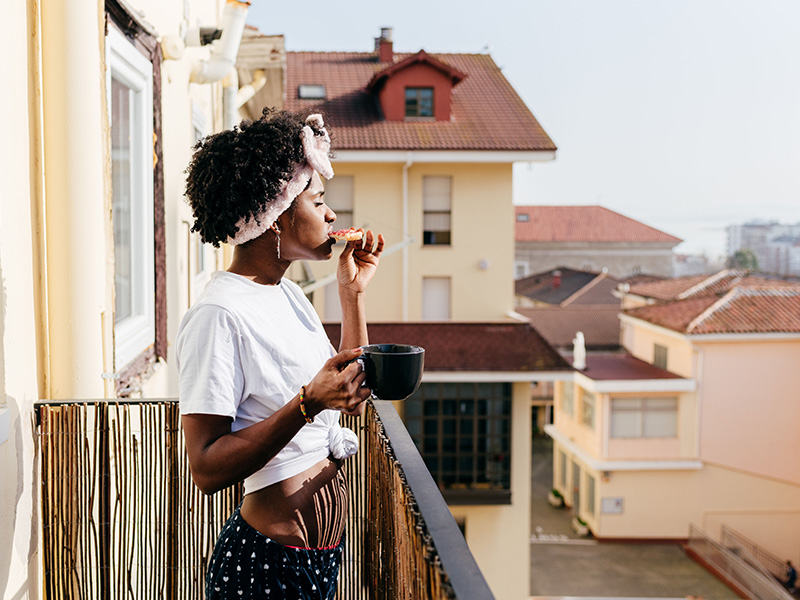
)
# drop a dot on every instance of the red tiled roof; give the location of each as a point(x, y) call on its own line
point(612, 367)
point(681, 288)
point(675, 315)
point(558, 325)
point(487, 113)
point(753, 310)
point(741, 310)
point(583, 224)
point(452, 346)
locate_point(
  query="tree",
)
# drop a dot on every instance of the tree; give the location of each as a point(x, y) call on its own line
point(744, 259)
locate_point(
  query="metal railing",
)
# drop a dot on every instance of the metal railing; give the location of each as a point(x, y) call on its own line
point(748, 581)
point(736, 542)
point(121, 517)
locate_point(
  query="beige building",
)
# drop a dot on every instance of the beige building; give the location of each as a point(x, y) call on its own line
point(697, 424)
point(589, 238)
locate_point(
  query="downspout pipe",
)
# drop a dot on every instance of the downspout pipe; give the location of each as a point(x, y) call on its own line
point(230, 109)
point(406, 167)
point(224, 51)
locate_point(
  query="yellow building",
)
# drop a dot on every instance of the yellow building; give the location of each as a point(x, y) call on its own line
point(697, 424)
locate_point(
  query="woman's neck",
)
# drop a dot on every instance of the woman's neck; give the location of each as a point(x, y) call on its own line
point(258, 263)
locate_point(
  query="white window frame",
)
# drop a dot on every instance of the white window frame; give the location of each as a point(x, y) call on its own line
point(134, 334)
point(568, 398)
point(588, 408)
point(646, 405)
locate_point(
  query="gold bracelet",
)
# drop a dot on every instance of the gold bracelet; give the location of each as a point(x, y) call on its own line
point(303, 405)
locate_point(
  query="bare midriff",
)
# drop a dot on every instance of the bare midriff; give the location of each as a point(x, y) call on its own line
point(307, 510)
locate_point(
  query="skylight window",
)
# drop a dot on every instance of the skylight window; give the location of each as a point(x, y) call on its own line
point(523, 217)
point(311, 91)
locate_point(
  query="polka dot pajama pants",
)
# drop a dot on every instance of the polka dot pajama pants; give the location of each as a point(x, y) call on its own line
point(247, 564)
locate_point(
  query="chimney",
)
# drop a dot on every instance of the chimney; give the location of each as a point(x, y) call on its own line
point(556, 279)
point(383, 45)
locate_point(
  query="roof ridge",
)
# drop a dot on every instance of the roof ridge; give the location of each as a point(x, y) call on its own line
point(581, 291)
point(726, 299)
point(708, 282)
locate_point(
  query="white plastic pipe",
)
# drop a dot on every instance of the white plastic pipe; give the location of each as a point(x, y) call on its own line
point(230, 110)
point(248, 91)
point(224, 51)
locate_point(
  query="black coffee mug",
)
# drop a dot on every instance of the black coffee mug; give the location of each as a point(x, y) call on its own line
point(394, 371)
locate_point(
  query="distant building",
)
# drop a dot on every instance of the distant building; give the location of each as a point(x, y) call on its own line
point(775, 246)
point(591, 238)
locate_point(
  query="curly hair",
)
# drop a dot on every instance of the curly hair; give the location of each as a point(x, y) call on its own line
point(233, 174)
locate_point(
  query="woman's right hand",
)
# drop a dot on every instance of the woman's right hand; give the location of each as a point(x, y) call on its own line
point(338, 385)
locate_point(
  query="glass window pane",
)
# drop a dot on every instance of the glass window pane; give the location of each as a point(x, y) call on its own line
point(625, 424)
point(660, 424)
point(436, 221)
point(122, 209)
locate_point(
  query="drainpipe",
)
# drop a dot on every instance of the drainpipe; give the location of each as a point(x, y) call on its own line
point(230, 110)
point(248, 91)
point(223, 54)
point(406, 166)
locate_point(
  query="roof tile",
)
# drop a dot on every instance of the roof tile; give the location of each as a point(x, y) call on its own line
point(583, 224)
point(454, 346)
point(487, 113)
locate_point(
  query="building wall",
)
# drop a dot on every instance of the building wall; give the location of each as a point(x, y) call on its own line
point(19, 356)
point(481, 201)
point(621, 259)
point(56, 249)
point(662, 505)
point(499, 536)
point(639, 339)
point(750, 407)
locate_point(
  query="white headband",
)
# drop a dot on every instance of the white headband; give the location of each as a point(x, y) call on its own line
point(316, 147)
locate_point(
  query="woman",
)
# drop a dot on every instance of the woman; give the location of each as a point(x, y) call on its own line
point(261, 387)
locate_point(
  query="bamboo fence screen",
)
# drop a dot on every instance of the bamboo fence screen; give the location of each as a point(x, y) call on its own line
point(121, 518)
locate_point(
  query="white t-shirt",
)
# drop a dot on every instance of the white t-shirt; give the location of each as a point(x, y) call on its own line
point(243, 351)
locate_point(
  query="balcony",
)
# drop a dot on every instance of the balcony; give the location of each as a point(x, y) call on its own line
point(122, 518)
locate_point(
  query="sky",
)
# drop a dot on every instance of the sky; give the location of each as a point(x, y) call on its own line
point(682, 114)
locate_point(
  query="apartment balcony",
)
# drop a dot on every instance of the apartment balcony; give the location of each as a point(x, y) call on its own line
point(122, 518)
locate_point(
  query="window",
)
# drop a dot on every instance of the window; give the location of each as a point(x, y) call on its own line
point(659, 356)
point(587, 408)
point(520, 269)
point(463, 432)
point(568, 397)
point(419, 102)
point(130, 101)
point(523, 217)
point(435, 298)
point(590, 493)
point(311, 91)
point(436, 202)
point(339, 196)
point(644, 417)
point(562, 469)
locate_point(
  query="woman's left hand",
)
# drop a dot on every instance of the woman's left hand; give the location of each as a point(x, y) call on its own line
point(359, 261)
